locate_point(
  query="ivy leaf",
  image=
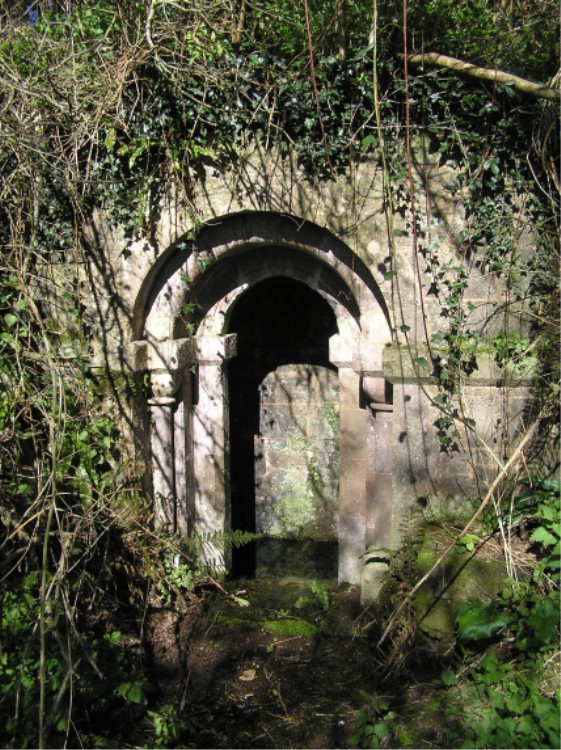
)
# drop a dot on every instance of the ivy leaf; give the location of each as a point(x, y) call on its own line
point(381, 730)
point(239, 600)
point(110, 138)
point(367, 141)
point(10, 320)
point(448, 678)
point(543, 536)
point(477, 621)
point(133, 692)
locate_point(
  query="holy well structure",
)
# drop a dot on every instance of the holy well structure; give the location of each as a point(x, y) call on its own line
point(287, 332)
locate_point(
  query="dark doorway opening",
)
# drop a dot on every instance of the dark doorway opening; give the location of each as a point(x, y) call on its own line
point(278, 322)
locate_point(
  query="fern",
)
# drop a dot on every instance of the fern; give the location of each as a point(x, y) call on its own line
point(224, 540)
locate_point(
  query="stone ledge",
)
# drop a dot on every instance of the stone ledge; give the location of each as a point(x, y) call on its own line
point(402, 364)
point(171, 355)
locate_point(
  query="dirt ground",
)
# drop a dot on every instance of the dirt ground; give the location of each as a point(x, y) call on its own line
point(277, 668)
point(287, 663)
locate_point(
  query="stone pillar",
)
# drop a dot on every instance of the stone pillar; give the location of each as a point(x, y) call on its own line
point(352, 452)
point(211, 448)
point(379, 506)
point(162, 405)
point(166, 362)
point(352, 483)
point(181, 439)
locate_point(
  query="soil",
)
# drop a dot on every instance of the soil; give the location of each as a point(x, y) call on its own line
point(286, 662)
point(273, 666)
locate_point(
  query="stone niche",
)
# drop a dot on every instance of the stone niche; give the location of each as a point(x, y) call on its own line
point(297, 453)
point(297, 470)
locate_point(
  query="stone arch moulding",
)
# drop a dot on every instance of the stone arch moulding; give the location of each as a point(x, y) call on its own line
point(188, 375)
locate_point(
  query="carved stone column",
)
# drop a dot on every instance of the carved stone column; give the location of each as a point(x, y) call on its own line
point(163, 474)
point(165, 361)
point(211, 447)
point(379, 475)
point(379, 505)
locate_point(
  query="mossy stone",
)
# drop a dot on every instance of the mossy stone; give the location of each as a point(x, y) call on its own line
point(290, 628)
point(459, 578)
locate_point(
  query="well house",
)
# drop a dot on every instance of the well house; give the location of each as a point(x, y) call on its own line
point(288, 331)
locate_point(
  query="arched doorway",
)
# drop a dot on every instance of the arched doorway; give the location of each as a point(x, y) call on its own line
point(284, 441)
point(183, 325)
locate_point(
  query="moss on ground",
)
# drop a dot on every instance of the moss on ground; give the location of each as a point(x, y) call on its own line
point(290, 628)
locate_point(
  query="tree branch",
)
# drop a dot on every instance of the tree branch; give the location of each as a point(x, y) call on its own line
point(486, 74)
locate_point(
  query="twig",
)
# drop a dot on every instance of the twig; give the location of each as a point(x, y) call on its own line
point(314, 83)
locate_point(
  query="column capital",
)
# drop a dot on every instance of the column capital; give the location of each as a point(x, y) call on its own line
point(171, 355)
point(368, 360)
point(341, 351)
point(164, 384)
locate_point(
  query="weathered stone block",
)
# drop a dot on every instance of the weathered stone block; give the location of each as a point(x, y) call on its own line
point(215, 349)
point(353, 433)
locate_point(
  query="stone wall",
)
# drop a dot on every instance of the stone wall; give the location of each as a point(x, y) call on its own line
point(162, 305)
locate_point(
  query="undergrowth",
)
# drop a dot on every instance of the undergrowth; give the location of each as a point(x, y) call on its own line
point(499, 687)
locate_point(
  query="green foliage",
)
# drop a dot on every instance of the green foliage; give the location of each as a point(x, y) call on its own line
point(501, 34)
point(81, 676)
point(517, 701)
point(479, 621)
point(467, 542)
point(321, 593)
point(177, 578)
point(543, 512)
point(508, 703)
point(375, 724)
point(500, 686)
point(213, 545)
point(320, 596)
point(514, 351)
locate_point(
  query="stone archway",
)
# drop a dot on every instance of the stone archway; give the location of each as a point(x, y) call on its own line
point(284, 434)
point(189, 405)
